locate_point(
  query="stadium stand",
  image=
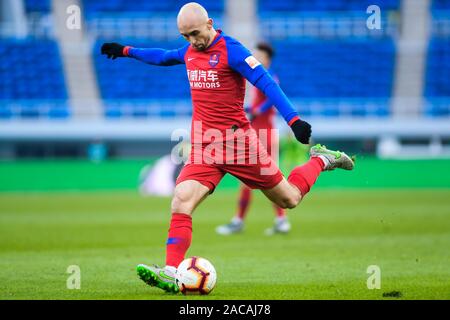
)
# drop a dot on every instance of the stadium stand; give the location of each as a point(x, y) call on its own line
point(333, 70)
point(143, 90)
point(318, 5)
point(32, 87)
point(125, 83)
point(43, 6)
point(139, 19)
point(117, 6)
point(440, 5)
point(362, 65)
point(301, 64)
point(437, 79)
point(438, 68)
point(325, 74)
point(331, 65)
point(328, 73)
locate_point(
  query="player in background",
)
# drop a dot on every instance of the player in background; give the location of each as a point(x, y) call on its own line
point(217, 66)
point(292, 153)
point(262, 113)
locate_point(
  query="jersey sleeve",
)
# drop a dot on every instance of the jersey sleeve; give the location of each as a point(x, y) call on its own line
point(241, 60)
point(267, 104)
point(159, 57)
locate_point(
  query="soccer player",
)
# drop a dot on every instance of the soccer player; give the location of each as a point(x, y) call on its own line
point(262, 118)
point(217, 66)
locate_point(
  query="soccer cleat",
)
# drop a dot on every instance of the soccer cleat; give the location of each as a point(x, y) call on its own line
point(235, 226)
point(332, 159)
point(158, 277)
point(281, 226)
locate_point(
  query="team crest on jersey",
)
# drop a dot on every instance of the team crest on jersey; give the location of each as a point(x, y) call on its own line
point(214, 59)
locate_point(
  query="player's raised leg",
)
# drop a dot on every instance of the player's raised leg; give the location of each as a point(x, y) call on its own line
point(187, 196)
point(288, 193)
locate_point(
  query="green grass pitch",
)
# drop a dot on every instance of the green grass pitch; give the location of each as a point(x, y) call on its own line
point(336, 235)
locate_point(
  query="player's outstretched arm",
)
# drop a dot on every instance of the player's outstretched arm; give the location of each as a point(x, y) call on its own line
point(154, 56)
point(241, 60)
point(267, 104)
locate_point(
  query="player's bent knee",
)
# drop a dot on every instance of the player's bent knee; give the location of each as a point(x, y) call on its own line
point(291, 202)
point(283, 203)
point(181, 207)
point(182, 201)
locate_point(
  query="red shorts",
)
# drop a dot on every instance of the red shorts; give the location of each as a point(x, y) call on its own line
point(251, 164)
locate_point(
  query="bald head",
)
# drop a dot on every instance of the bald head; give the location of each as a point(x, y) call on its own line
point(191, 14)
point(195, 25)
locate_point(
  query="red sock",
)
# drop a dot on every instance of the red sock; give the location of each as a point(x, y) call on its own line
point(244, 201)
point(303, 177)
point(280, 212)
point(179, 240)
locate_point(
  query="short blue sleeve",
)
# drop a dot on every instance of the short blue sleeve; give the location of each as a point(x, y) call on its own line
point(159, 57)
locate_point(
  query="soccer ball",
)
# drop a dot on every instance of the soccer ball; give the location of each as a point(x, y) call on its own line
point(196, 275)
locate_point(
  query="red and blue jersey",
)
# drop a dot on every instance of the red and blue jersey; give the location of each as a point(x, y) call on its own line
point(217, 81)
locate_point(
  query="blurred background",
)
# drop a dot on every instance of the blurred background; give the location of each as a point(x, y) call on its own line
point(374, 82)
point(83, 137)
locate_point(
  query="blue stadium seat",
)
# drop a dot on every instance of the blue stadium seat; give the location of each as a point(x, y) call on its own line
point(355, 70)
point(438, 68)
point(32, 77)
point(146, 6)
point(43, 6)
point(320, 5)
point(128, 87)
point(330, 74)
point(336, 68)
point(441, 5)
point(129, 80)
point(437, 81)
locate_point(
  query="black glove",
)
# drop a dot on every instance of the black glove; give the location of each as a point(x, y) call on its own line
point(113, 50)
point(302, 131)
